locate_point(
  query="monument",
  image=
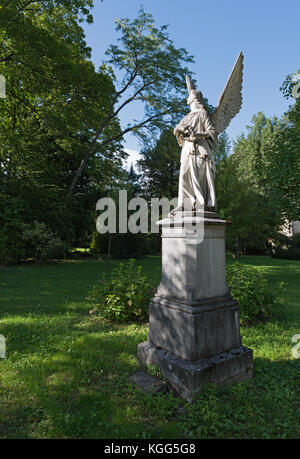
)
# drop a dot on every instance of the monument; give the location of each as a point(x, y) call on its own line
point(194, 328)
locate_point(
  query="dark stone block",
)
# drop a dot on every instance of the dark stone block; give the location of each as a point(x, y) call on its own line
point(194, 324)
point(194, 332)
point(147, 383)
point(188, 378)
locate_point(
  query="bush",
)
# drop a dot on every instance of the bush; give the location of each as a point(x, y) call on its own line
point(124, 296)
point(19, 241)
point(249, 287)
point(41, 244)
point(285, 247)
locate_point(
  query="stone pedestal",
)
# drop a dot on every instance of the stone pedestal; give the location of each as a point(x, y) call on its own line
point(194, 329)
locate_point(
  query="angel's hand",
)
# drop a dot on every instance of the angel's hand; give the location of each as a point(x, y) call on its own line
point(203, 135)
point(197, 137)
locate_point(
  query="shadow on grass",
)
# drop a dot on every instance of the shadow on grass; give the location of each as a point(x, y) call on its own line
point(66, 375)
point(73, 391)
point(83, 392)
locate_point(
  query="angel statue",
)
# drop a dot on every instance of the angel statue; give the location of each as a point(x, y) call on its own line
point(197, 134)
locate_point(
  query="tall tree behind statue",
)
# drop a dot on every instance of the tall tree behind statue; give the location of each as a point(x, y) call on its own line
point(258, 186)
point(152, 73)
point(55, 100)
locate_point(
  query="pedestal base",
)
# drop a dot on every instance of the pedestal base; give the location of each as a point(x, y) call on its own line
point(188, 378)
point(194, 327)
point(195, 332)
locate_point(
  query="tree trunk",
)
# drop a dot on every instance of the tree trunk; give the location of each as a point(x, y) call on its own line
point(108, 252)
point(236, 253)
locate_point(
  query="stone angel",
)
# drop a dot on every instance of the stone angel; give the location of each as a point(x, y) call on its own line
point(197, 134)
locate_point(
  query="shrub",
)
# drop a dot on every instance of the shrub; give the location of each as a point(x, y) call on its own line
point(250, 289)
point(124, 296)
point(41, 244)
point(285, 247)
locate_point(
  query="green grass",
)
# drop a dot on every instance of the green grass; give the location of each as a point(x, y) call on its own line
point(66, 372)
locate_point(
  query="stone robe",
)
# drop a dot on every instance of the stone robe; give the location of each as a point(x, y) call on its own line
point(197, 165)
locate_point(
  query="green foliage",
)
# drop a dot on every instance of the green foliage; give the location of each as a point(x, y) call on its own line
point(121, 245)
point(55, 102)
point(288, 84)
point(249, 287)
point(71, 218)
point(282, 172)
point(40, 243)
point(223, 149)
point(285, 247)
point(159, 166)
point(247, 194)
point(124, 296)
point(20, 241)
point(12, 212)
point(151, 72)
point(152, 69)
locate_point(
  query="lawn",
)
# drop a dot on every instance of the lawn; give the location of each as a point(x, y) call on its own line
point(66, 372)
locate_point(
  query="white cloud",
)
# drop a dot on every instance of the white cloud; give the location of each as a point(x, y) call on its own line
point(133, 156)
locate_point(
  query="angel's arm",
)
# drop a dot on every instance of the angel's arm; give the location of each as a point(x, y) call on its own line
point(179, 136)
point(209, 131)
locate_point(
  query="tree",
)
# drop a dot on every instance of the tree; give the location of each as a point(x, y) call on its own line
point(284, 170)
point(152, 73)
point(159, 167)
point(244, 187)
point(55, 99)
point(223, 149)
point(241, 204)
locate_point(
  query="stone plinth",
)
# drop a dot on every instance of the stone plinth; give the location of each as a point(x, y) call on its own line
point(194, 329)
point(193, 259)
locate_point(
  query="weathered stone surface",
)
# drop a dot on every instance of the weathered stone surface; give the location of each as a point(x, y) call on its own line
point(194, 332)
point(197, 135)
point(147, 383)
point(194, 326)
point(192, 272)
point(194, 323)
point(189, 378)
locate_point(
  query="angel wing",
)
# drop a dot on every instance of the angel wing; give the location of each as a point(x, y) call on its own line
point(230, 100)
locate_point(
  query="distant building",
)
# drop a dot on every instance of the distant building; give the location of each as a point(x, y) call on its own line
point(290, 228)
point(296, 227)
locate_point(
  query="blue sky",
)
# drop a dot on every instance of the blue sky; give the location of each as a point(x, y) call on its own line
point(267, 31)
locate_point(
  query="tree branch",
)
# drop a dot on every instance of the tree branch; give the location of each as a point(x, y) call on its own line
point(132, 128)
point(132, 77)
point(92, 145)
point(130, 99)
point(108, 118)
point(27, 4)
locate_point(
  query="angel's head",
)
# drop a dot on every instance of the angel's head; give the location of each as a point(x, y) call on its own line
point(195, 99)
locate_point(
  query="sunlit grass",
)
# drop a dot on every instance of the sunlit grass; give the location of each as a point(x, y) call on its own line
point(66, 372)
